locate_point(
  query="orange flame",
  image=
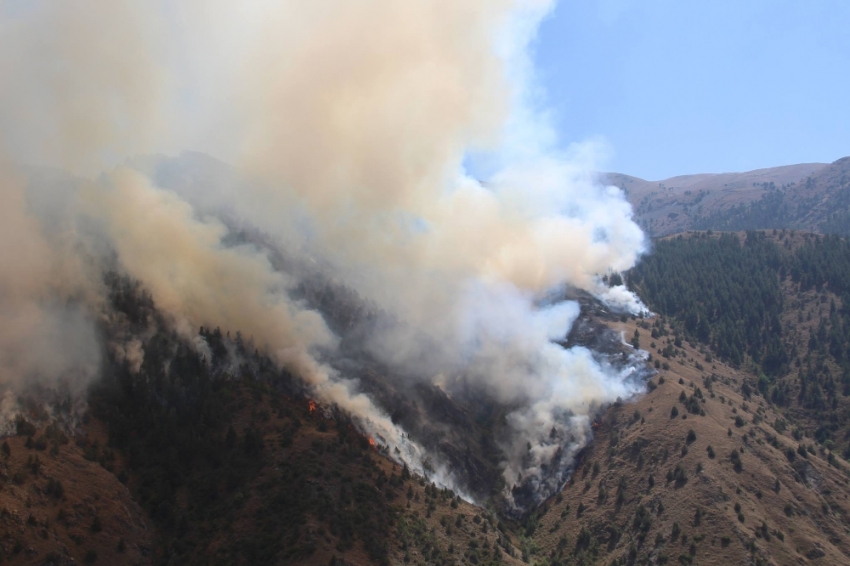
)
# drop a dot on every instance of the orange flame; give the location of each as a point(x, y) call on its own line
point(371, 442)
point(312, 406)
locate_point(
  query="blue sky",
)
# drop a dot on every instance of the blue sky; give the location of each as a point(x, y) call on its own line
point(690, 87)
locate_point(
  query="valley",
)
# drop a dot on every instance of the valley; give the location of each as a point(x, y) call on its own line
point(344, 284)
point(715, 463)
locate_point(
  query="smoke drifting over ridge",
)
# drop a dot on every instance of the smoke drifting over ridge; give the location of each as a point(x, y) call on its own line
point(353, 121)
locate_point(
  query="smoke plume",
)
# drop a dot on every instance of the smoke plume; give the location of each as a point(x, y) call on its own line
point(351, 124)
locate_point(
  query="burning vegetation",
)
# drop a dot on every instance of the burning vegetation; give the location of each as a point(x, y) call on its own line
point(256, 335)
point(331, 249)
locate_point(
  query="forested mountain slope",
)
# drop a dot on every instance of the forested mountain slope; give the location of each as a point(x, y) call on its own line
point(186, 457)
point(736, 454)
point(773, 304)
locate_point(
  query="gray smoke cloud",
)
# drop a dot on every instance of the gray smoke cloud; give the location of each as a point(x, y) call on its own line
point(353, 121)
point(47, 336)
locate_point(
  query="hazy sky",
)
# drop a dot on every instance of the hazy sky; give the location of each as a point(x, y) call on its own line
point(688, 87)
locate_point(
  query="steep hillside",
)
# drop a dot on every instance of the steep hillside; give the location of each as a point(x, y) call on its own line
point(677, 204)
point(296, 484)
point(736, 453)
point(646, 491)
point(293, 483)
point(820, 203)
point(813, 197)
point(321, 493)
point(62, 503)
point(790, 334)
point(236, 465)
point(697, 471)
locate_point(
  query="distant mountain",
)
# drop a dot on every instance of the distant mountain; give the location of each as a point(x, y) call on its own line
point(808, 196)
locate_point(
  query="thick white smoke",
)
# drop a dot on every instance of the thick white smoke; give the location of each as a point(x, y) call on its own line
point(354, 120)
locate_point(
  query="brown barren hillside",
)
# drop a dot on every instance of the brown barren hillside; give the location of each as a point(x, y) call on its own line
point(321, 494)
point(671, 205)
point(59, 505)
point(739, 490)
point(695, 472)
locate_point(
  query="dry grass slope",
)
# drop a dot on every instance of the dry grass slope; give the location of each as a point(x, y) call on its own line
point(694, 472)
point(58, 506)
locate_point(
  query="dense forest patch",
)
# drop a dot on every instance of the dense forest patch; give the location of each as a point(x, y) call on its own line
point(235, 464)
point(771, 303)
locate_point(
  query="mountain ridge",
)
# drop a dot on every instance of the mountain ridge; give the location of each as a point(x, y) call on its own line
point(805, 196)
